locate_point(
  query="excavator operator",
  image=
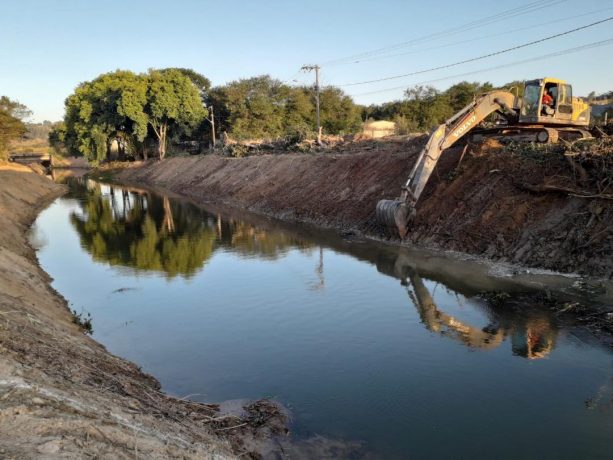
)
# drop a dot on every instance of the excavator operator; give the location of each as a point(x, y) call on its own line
point(547, 98)
point(547, 102)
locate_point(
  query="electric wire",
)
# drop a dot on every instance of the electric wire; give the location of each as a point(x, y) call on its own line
point(501, 66)
point(478, 58)
point(504, 15)
point(508, 32)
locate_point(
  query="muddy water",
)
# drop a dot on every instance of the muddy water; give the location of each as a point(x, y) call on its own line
point(377, 352)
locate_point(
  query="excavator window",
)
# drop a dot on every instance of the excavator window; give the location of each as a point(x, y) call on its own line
point(552, 89)
point(531, 100)
point(565, 101)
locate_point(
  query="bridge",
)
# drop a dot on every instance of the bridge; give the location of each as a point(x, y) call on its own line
point(44, 159)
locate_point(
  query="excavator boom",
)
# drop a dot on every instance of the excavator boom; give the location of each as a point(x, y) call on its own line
point(398, 213)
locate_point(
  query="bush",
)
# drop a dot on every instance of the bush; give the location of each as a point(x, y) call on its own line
point(297, 134)
point(404, 126)
point(237, 150)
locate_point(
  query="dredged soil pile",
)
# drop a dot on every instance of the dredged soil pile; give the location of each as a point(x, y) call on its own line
point(538, 206)
point(62, 395)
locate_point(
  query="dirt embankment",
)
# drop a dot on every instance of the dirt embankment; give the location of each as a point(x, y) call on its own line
point(62, 394)
point(526, 206)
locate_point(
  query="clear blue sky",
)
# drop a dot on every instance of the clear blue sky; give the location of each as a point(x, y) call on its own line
point(49, 46)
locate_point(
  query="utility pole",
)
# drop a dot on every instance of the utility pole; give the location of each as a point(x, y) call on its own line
point(309, 68)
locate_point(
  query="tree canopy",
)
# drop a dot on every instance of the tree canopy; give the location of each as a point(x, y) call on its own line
point(124, 108)
point(12, 126)
point(263, 107)
point(172, 100)
point(129, 113)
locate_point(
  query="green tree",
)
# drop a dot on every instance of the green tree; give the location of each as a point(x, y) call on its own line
point(172, 100)
point(339, 114)
point(463, 93)
point(12, 126)
point(263, 107)
point(57, 137)
point(251, 108)
point(109, 108)
point(202, 83)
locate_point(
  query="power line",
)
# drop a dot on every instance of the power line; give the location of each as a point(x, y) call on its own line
point(514, 12)
point(510, 64)
point(539, 25)
point(465, 61)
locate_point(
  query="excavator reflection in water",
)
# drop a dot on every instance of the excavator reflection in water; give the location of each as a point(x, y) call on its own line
point(533, 337)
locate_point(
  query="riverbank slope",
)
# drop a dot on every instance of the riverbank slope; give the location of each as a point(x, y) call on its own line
point(61, 393)
point(537, 207)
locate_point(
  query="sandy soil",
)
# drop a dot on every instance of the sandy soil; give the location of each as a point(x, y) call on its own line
point(62, 395)
point(500, 204)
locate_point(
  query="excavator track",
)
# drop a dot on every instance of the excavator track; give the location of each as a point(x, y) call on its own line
point(529, 133)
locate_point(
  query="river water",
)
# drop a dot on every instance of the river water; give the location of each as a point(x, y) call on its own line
point(378, 352)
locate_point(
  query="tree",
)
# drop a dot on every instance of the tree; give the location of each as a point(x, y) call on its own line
point(251, 108)
point(57, 137)
point(12, 126)
point(108, 109)
point(117, 109)
point(463, 93)
point(172, 100)
point(202, 83)
point(339, 114)
point(263, 107)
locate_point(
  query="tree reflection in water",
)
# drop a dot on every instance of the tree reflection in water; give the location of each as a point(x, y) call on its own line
point(139, 229)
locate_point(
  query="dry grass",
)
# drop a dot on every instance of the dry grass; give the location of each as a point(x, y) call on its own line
point(30, 145)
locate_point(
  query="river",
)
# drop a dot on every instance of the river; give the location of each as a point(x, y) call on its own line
point(377, 351)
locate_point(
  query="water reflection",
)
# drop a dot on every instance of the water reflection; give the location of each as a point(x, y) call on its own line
point(135, 228)
point(139, 229)
point(364, 341)
point(532, 337)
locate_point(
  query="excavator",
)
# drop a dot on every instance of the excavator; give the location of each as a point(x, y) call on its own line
point(546, 113)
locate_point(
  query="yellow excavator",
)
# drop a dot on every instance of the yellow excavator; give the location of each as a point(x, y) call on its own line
point(546, 112)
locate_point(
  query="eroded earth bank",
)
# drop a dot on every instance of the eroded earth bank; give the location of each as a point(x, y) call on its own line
point(537, 206)
point(62, 395)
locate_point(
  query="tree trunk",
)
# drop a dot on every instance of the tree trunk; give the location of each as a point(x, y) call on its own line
point(162, 141)
point(121, 149)
point(109, 143)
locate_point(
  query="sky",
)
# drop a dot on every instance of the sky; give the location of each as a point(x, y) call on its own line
point(48, 47)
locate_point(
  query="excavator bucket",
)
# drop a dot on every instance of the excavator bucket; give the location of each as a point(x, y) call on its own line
point(394, 215)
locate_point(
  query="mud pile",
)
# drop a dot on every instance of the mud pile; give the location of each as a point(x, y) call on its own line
point(537, 206)
point(62, 394)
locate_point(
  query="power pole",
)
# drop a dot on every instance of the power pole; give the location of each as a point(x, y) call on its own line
point(309, 68)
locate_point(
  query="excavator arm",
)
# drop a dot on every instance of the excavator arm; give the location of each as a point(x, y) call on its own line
point(398, 213)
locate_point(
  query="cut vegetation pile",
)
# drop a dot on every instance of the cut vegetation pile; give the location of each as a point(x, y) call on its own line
point(540, 206)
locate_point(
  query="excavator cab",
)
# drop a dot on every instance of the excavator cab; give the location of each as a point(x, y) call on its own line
point(549, 101)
